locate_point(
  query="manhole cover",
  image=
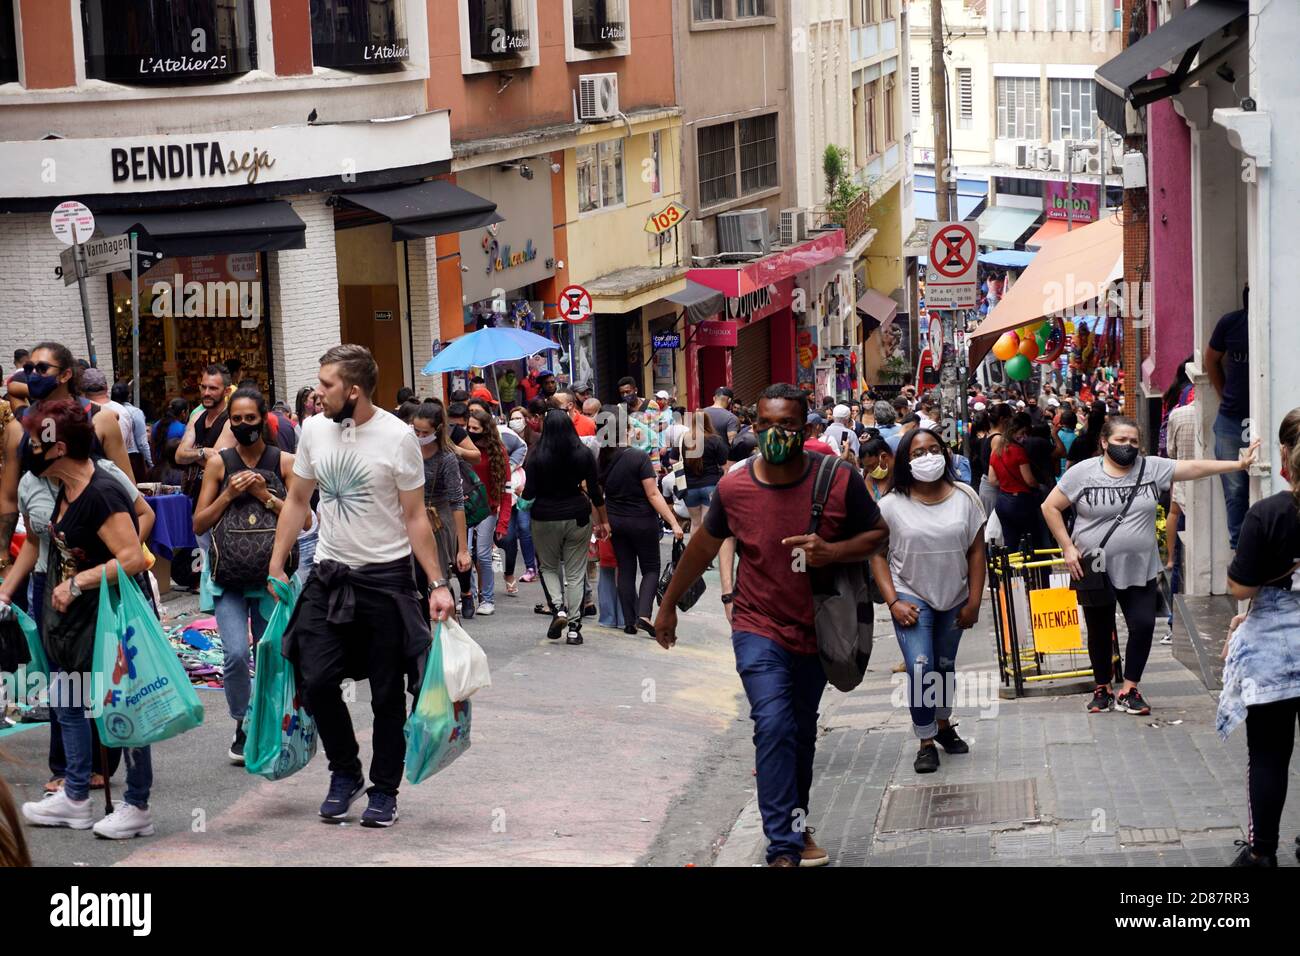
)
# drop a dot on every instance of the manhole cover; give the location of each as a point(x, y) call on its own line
point(960, 805)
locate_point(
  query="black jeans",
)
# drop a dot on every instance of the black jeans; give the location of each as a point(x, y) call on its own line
point(1021, 516)
point(1270, 736)
point(636, 541)
point(1139, 607)
point(372, 644)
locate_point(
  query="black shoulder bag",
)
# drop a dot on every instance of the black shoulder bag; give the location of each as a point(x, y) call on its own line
point(1094, 587)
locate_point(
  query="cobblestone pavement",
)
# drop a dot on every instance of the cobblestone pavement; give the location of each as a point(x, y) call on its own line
point(1105, 790)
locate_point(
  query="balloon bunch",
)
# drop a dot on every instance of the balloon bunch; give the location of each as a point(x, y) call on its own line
point(1040, 343)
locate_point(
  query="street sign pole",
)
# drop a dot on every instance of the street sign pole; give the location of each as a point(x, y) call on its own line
point(85, 303)
point(135, 323)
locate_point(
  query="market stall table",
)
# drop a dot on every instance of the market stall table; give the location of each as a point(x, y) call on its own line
point(173, 531)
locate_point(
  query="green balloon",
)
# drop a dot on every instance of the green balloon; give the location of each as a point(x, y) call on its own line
point(1043, 333)
point(1018, 368)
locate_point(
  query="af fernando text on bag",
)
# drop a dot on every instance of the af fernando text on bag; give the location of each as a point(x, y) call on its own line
point(281, 735)
point(146, 695)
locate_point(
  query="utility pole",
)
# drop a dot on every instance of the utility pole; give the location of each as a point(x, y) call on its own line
point(944, 174)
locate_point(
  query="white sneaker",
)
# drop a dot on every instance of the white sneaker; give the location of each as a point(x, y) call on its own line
point(1169, 636)
point(485, 608)
point(56, 810)
point(125, 822)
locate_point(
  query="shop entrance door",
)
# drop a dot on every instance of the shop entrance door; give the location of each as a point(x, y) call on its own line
point(371, 316)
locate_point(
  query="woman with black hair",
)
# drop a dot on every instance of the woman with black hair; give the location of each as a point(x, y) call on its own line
point(170, 426)
point(1018, 495)
point(933, 581)
point(563, 492)
point(444, 492)
point(877, 466)
point(237, 485)
point(493, 469)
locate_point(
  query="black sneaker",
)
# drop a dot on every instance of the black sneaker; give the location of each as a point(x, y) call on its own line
point(558, 623)
point(1133, 703)
point(1102, 701)
point(344, 791)
point(381, 811)
point(947, 739)
point(1247, 858)
point(236, 751)
point(575, 634)
point(927, 760)
point(590, 610)
point(466, 607)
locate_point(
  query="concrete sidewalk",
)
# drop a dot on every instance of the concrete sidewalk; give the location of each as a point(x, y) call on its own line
point(1044, 784)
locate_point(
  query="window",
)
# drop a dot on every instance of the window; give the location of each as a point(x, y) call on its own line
point(600, 175)
point(758, 153)
point(886, 9)
point(364, 35)
point(1023, 25)
point(717, 163)
point(863, 12)
point(1117, 14)
point(1004, 18)
point(8, 43)
point(1072, 109)
point(871, 91)
point(1061, 15)
point(142, 41)
point(656, 145)
point(1081, 14)
point(498, 29)
point(752, 8)
point(965, 98)
point(599, 24)
point(708, 9)
point(1018, 107)
point(916, 91)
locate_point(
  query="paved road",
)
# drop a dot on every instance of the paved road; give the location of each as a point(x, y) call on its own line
point(613, 753)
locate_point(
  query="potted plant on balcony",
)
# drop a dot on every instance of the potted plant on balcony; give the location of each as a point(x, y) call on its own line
point(841, 191)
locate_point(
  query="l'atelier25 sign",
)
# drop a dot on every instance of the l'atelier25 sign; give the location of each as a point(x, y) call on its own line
point(205, 160)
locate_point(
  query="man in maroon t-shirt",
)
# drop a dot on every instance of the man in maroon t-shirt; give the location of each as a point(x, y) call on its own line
point(766, 506)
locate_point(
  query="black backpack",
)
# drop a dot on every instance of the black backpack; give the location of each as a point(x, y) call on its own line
point(244, 537)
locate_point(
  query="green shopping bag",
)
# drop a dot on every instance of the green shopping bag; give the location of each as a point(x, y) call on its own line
point(437, 732)
point(281, 735)
point(37, 662)
point(146, 694)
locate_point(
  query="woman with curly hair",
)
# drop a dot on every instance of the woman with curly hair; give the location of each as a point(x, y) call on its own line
point(493, 469)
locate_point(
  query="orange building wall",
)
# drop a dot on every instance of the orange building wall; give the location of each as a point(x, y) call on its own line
point(543, 95)
point(291, 29)
point(47, 44)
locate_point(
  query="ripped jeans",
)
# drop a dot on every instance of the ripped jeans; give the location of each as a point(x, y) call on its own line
point(930, 653)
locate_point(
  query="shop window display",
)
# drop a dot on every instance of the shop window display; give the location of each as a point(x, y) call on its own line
point(359, 35)
point(168, 41)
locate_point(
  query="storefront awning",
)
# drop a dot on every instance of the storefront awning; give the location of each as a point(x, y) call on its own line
point(926, 206)
point(736, 281)
point(627, 290)
point(877, 305)
point(1048, 231)
point(700, 301)
point(1073, 269)
point(1124, 79)
point(431, 208)
point(1006, 258)
point(1002, 226)
point(256, 227)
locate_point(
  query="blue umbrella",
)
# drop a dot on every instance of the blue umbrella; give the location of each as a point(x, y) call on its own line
point(487, 347)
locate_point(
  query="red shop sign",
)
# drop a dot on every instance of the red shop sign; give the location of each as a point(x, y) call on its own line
point(717, 332)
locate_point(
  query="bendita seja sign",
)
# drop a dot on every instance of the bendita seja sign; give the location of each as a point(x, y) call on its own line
point(201, 160)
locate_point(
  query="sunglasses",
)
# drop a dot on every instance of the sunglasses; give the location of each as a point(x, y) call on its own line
point(40, 368)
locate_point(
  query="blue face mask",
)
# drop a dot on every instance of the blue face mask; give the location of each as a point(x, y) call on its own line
point(39, 387)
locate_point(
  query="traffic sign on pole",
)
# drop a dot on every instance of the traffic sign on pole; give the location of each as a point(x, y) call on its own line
point(72, 222)
point(951, 278)
point(102, 256)
point(575, 304)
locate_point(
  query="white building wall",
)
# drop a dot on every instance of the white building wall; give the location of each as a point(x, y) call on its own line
point(422, 270)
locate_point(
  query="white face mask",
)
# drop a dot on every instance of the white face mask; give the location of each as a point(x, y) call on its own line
point(517, 425)
point(928, 467)
point(426, 440)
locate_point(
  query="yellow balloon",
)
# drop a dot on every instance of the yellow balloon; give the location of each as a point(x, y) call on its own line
point(1069, 328)
point(1007, 346)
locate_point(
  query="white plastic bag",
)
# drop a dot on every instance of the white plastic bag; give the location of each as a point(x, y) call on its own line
point(993, 529)
point(464, 665)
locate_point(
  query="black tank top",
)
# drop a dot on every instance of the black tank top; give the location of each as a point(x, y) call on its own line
point(205, 436)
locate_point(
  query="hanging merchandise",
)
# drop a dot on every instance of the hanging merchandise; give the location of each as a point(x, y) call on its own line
point(1028, 348)
point(1055, 343)
point(1006, 346)
point(1019, 368)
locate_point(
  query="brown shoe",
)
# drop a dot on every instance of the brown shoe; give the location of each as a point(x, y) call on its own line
point(812, 854)
point(784, 861)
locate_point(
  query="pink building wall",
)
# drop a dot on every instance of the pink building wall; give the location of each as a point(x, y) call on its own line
point(1169, 189)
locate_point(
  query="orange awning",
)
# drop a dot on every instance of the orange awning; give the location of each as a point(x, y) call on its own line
point(1069, 270)
point(1049, 230)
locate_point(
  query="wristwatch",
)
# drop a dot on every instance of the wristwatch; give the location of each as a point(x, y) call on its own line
point(440, 583)
point(74, 590)
point(270, 502)
point(728, 598)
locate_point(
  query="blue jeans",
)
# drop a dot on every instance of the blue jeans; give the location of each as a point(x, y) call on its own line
point(784, 691)
point(234, 611)
point(74, 726)
point(1228, 442)
point(307, 552)
point(607, 601)
point(519, 537)
point(698, 497)
point(481, 553)
point(930, 652)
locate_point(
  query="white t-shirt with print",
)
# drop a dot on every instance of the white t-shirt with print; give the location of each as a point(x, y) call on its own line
point(359, 471)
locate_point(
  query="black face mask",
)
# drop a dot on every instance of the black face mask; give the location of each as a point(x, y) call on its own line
point(346, 412)
point(1122, 455)
point(37, 464)
point(246, 434)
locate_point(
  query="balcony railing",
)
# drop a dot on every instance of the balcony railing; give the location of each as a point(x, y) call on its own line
point(855, 220)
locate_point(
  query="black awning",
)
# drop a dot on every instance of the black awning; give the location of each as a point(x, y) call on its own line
point(256, 227)
point(700, 301)
point(431, 208)
point(1125, 78)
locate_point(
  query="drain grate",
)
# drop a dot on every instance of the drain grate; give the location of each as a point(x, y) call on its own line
point(960, 805)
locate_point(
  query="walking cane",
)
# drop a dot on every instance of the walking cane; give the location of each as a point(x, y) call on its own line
point(108, 777)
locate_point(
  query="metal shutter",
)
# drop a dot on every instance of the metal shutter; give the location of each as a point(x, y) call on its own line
point(751, 362)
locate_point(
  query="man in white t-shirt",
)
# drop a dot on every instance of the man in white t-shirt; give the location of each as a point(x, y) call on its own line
point(840, 431)
point(359, 615)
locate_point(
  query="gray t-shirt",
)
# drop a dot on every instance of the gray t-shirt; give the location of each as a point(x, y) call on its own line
point(723, 421)
point(1132, 554)
point(928, 545)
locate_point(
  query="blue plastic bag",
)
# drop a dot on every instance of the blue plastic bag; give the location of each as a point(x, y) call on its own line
point(437, 732)
point(281, 735)
point(146, 694)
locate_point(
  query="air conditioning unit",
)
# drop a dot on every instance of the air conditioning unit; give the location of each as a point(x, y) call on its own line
point(1044, 157)
point(925, 157)
point(1093, 164)
point(743, 233)
point(700, 245)
point(1079, 160)
point(1024, 156)
point(794, 226)
point(597, 97)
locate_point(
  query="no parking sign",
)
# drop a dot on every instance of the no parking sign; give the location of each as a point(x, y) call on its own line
point(951, 276)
